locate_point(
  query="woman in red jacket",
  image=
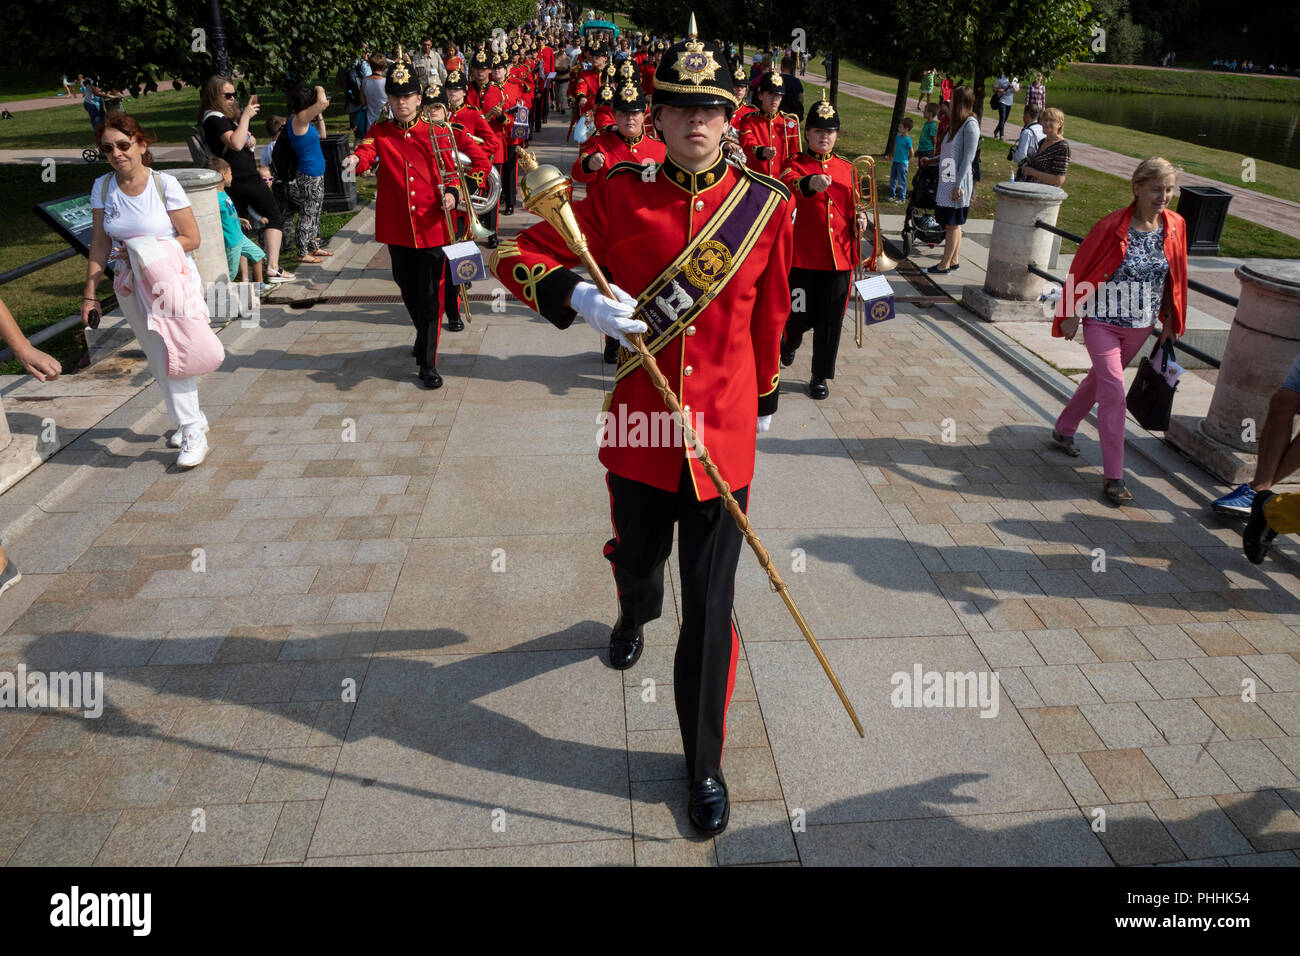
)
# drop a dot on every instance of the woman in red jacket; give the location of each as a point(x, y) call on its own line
point(1130, 269)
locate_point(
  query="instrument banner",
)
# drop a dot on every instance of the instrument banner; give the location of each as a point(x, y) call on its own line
point(465, 261)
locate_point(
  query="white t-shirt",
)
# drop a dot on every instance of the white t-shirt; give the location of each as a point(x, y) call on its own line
point(126, 217)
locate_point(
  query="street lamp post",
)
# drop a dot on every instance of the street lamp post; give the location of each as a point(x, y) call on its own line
point(220, 59)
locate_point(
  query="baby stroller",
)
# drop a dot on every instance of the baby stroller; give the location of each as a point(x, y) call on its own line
point(919, 223)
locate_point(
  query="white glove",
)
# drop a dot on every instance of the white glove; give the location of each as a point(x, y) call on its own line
point(607, 316)
point(764, 422)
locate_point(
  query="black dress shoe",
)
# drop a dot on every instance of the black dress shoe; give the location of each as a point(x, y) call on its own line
point(818, 388)
point(430, 378)
point(625, 645)
point(1258, 536)
point(611, 350)
point(492, 241)
point(787, 358)
point(709, 806)
point(454, 324)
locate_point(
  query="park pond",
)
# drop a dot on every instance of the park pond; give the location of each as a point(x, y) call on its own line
point(1263, 131)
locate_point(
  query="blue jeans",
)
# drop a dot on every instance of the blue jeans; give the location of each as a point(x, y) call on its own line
point(96, 115)
point(898, 181)
point(1004, 110)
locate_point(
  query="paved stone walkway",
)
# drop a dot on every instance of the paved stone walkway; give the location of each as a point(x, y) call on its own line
point(370, 628)
point(1259, 208)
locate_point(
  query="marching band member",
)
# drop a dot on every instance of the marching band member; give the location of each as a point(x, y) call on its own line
point(825, 190)
point(768, 136)
point(410, 198)
point(699, 224)
point(490, 101)
point(740, 86)
point(480, 161)
point(504, 126)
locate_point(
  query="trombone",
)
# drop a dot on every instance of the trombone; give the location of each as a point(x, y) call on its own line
point(474, 228)
point(865, 165)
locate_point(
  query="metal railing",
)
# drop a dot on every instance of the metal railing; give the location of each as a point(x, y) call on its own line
point(1192, 284)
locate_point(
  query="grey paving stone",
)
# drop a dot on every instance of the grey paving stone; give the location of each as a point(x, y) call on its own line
point(915, 761)
point(681, 852)
point(1276, 858)
point(1181, 721)
point(1224, 674)
point(233, 835)
point(1118, 681)
point(1284, 709)
point(555, 592)
point(553, 758)
point(1061, 646)
point(140, 780)
point(1122, 725)
point(299, 774)
point(1201, 829)
point(1238, 719)
point(751, 774)
point(147, 837)
point(1189, 770)
point(212, 778)
point(611, 852)
point(846, 573)
point(1114, 643)
point(65, 839)
point(1250, 764)
point(1134, 836)
point(1006, 649)
point(1028, 838)
point(1267, 822)
point(647, 711)
point(758, 832)
point(1078, 779)
point(1019, 688)
point(1174, 679)
point(1167, 642)
point(1061, 685)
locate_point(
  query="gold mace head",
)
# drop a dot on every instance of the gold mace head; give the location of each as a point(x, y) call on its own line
point(546, 194)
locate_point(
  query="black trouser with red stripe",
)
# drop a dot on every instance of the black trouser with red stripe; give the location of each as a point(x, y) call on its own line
point(418, 273)
point(825, 296)
point(704, 669)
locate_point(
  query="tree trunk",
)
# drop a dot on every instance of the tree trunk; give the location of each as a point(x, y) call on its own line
point(979, 95)
point(900, 108)
point(834, 79)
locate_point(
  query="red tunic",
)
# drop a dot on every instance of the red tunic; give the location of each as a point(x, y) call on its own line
point(408, 201)
point(615, 149)
point(491, 102)
point(647, 78)
point(758, 130)
point(725, 365)
point(474, 123)
point(823, 221)
point(743, 110)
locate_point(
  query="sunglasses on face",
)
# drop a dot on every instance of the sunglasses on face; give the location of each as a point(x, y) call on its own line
point(120, 146)
point(229, 96)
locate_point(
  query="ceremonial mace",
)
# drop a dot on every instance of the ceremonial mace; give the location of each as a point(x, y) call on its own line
point(546, 194)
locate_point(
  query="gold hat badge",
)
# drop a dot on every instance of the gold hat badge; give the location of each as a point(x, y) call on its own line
point(401, 74)
point(696, 63)
point(824, 108)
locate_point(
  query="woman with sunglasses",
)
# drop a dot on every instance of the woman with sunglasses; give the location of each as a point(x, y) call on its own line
point(226, 134)
point(125, 204)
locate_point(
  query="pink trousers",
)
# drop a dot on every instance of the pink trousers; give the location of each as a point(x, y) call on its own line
point(1111, 348)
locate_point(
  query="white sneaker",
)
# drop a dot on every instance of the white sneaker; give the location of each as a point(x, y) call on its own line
point(194, 448)
point(174, 441)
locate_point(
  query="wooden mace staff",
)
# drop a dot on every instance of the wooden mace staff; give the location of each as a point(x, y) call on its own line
point(546, 194)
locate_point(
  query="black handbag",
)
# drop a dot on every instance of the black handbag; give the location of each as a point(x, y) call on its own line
point(1151, 397)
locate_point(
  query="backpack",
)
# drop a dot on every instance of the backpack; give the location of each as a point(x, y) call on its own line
point(975, 163)
point(284, 158)
point(348, 79)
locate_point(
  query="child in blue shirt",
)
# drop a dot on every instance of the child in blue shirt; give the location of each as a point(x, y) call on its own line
point(929, 132)
point(238, 245)
point(902, 156)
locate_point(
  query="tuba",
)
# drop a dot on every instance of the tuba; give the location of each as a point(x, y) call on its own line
point(864, 166)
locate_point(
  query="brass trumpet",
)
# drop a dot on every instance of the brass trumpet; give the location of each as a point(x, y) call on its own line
point(865, 165)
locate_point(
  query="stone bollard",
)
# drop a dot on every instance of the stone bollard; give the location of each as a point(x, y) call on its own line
point(1262, 343)
point(1010, 291)
point(201, 185)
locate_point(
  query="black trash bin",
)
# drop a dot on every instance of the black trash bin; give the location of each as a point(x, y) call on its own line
point(1206, 209)
point(340, 194)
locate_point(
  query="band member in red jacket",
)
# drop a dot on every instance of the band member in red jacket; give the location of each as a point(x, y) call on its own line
point(740, 86)
point(769, 137)
point(480, 162)
point(411, 195)
point(490, 100)
point(700, 225)
point(514, 96)
point(825, 193)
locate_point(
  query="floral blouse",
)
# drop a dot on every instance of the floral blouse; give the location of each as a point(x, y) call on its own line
point(1131, 297)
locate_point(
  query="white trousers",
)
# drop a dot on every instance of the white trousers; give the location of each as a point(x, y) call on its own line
point(180, 395)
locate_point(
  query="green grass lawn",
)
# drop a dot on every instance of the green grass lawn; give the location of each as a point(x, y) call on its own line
point(1092, 194)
